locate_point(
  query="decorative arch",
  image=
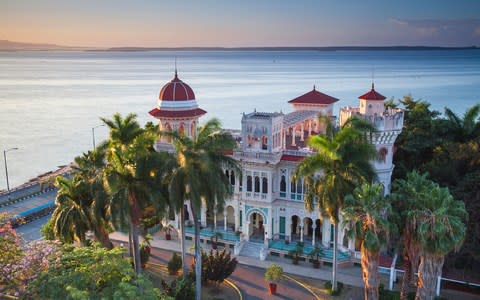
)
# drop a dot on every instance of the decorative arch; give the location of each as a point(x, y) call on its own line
point(262, 211)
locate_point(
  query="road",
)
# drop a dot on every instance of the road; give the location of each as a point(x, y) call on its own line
point(249, 280)
point(31, 231)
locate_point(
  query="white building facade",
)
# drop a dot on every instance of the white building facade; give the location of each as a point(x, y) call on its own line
point(267, 203)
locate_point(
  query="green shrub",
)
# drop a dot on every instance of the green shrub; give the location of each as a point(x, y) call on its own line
point(180, 288)
point(392, 295)
point(217, 265)
point(328, 286)
point(174, 264)
point(47, 231)
point(274, 273)
point(144, 254)
point(91, 273)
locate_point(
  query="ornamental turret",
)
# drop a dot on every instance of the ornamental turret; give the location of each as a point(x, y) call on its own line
point(177, 110)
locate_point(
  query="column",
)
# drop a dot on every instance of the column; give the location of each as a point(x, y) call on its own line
point(301, 234)
point(326, 232)
point(203, 216)
point(302, 136)
point(293, 137)
point(309, 127)
point(288, 234)
point(237, 220)
point(224, 220)
point(314, 227)
point(247, 230)
point(215, 219)
point(351, 245)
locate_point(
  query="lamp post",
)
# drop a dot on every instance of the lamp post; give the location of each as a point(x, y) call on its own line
point(6, 168)
point(93, 134)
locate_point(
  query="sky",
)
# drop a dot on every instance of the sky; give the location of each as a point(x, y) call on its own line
point(241, 23)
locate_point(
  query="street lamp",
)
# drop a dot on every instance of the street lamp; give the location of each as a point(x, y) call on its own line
point(93, 134)
point(6, 168)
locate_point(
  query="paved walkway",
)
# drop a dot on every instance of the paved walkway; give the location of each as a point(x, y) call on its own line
point(349, 275)
point(249, 280)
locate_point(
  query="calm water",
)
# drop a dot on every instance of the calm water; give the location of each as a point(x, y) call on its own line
point(51, 100)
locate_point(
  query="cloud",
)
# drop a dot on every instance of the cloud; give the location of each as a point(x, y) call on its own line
point(477, 31)
point(397, 22)
point(452, 31)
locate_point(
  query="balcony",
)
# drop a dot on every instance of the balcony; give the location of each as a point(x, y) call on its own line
point(260, 157)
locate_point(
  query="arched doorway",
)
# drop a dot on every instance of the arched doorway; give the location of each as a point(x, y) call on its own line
point(185, 212)
point(307, 230)
point(210, 219)
point(318, 231)
point(230, 218)
point(295, 231)
point(257, 229)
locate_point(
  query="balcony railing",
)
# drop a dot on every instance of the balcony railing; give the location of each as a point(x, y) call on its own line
point(257, 156)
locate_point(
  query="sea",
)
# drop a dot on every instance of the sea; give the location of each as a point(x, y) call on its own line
point(51, 100)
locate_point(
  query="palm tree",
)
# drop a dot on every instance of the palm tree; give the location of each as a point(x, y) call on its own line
point(365, 215)
point(132, 175)
point(89, 168)
point(467, 127)
point(71, 217)
point(439, 224)
point(343, 158)
point(200, 176)
point(408, 195)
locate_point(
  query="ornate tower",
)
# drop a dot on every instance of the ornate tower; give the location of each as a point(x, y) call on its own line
point(388, 122)
point(177, 110)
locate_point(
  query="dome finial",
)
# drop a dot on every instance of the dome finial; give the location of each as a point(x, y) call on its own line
point(176, 68)
point(373, 86)
point(314, 87)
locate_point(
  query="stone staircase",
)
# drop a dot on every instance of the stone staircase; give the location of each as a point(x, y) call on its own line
point(251, 249)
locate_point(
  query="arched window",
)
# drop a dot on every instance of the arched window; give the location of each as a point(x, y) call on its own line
point(226, 174)
point(181, 129)
point(283, 184)
point(293, 187)
point(249, 183)
point(264, 142)
point(257, 184)
point(232, 178)
point(299, 186)
point(264, 185)
point(383, 154)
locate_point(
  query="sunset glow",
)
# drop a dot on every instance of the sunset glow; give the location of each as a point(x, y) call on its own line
point(241, 23)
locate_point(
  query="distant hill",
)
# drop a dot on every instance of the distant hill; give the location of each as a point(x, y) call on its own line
point(6, 45)
point(330, 48)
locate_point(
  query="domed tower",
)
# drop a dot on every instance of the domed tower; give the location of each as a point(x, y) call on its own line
point(388, 124)
point(177, 109)
point(371, 103)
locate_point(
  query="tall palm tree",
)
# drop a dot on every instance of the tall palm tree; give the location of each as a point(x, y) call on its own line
point(131, 175)
point(467, 127)
point(200, 176)
point(89, 168)
point(408, 194)
point(71, 214)
point(343, 159)
point(365, 215)
point(439, 224)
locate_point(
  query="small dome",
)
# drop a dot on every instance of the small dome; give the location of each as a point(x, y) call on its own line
point(176, 90)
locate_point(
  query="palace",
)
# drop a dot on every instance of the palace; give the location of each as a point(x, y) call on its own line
point(267, 206)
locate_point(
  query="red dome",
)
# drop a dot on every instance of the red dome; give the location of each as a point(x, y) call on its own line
point(176, 90)
point(372, 95)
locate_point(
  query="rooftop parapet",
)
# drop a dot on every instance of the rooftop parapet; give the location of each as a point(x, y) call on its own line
point(390, 119)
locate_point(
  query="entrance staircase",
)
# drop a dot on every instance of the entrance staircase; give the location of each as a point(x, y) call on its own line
point(251, 249)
